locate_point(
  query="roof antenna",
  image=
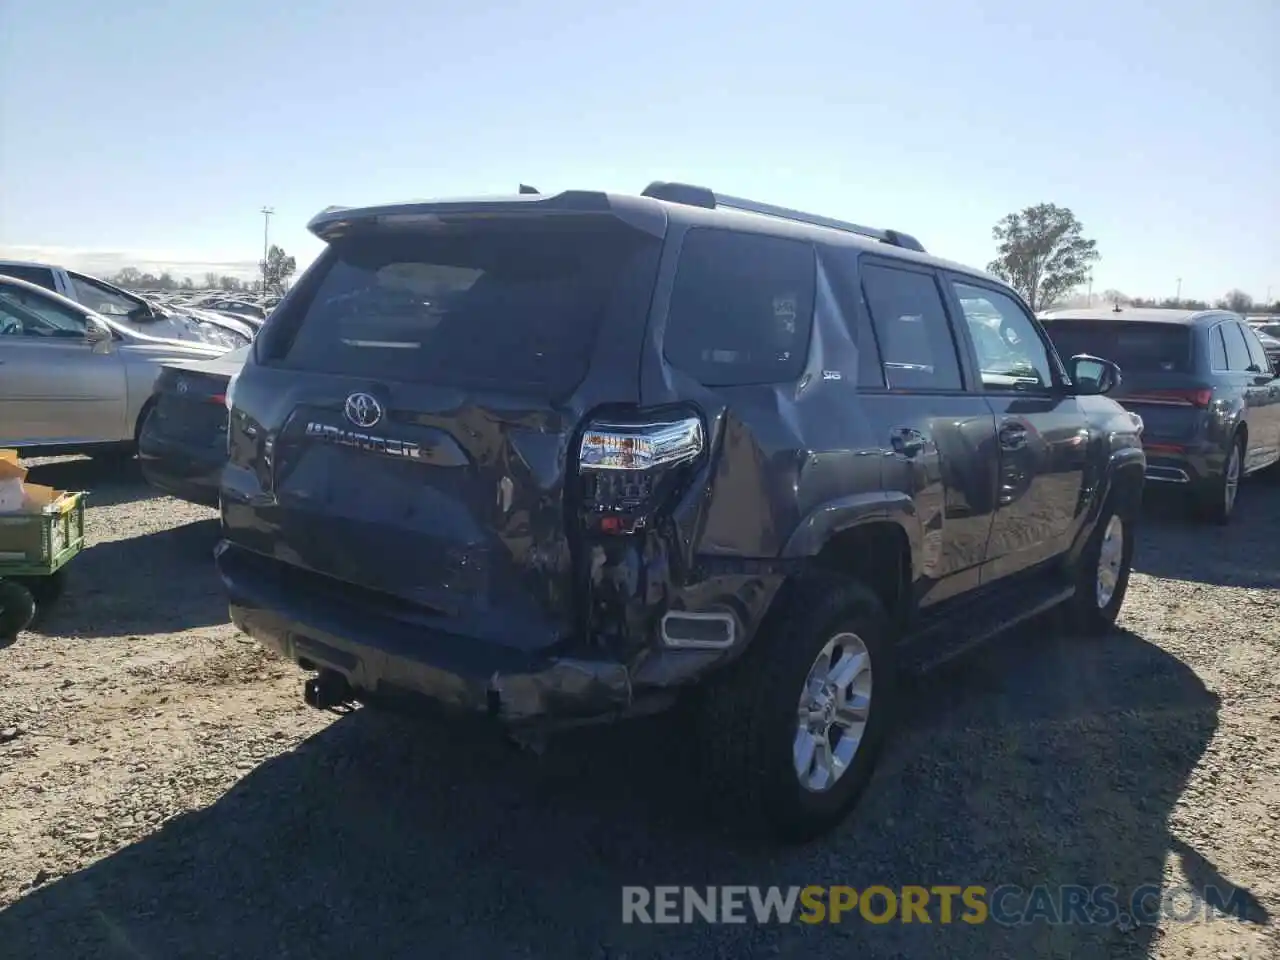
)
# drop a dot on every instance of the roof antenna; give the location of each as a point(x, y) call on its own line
point(525, 188)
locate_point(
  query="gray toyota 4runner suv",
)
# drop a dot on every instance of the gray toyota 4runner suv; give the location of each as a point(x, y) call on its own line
point(561, 458)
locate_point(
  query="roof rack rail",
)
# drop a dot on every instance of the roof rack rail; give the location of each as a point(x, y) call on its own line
point(702, 197)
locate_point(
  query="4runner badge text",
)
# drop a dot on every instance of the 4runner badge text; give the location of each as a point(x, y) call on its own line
point(364, 441)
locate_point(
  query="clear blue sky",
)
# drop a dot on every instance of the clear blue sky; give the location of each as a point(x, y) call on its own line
point(158, 129)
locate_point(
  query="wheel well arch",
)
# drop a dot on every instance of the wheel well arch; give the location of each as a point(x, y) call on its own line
point(142, 418)
point(877, 553)
point(1127, 484)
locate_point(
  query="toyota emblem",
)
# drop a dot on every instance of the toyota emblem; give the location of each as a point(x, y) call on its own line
point(363, 410)
point(183, 387)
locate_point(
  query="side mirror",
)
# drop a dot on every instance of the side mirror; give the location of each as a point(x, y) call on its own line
point(1093, 375)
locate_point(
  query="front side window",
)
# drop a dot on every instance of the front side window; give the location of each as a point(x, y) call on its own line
point(741, 308)
point(916, 345)
point(102, 299)
point(1257, 355)
point(1238, 359)
point(1011, 355)
point(26, 314)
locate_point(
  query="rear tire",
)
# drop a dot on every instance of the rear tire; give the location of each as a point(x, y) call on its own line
point(17, 609)
point(753, 734)
point(1216, 501)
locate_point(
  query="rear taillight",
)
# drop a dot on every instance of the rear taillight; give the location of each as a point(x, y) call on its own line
point(1173, 398)
point(219, 398)
point(629, 470)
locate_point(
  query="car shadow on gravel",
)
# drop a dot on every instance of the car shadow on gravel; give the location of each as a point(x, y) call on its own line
point(157, 582)
point(1038, 760)
point(108, 482)
point(1245, 553)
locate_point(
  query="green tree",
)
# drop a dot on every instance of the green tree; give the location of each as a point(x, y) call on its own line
point(277, 270)
point(1042, 253)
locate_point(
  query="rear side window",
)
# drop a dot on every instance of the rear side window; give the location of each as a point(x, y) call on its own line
point(911, 325)
point(1217, 349)
point(1238, 359)
point(1138, 346)
point(41, 276)
point(741, 308)
point(506, 304)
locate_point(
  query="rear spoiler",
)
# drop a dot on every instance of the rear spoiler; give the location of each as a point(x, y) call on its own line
point(335, 222)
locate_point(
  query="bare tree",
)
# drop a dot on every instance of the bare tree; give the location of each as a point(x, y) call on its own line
point(1042, 253)
point(1237, 301)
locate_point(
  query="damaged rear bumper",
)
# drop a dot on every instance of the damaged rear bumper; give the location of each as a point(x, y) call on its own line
point(555, 688)
point(382, 655)
point(387, 656)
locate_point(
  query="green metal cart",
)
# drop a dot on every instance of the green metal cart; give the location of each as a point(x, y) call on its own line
point(34, 549)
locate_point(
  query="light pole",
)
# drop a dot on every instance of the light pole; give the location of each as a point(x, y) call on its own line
point(266, 225)
point(1177, 297)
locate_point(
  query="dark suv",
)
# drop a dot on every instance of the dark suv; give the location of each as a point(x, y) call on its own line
point(1203, 385)
point(560, 458)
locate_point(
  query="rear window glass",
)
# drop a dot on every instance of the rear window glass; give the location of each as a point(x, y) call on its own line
point(741, 308)
point(1137, 347)
point(501, 304)
point(41, 276)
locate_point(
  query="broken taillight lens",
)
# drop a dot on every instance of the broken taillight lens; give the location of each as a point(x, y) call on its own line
point(628, 470)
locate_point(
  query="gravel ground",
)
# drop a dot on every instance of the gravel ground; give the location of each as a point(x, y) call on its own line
point(164, 792)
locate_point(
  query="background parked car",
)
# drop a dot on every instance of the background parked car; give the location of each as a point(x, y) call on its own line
point(183, 443)
point(72, 380)
point(1203, 385)
point(246, 310)
point(1269, 335)
point(133, 310)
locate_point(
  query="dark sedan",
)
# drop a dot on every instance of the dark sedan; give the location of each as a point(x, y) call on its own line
point(1203, 385)
point(183, 443)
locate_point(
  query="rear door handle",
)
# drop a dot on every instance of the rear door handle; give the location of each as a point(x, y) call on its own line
point(1013, 436)
point(907, 441)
